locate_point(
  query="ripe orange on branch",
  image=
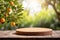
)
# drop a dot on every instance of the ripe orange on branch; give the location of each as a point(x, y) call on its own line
point(12, 3)
point(9, 9)
point(13, 23)
point(2, 20)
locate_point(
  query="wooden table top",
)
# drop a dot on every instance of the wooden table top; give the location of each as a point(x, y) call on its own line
point(11, 34)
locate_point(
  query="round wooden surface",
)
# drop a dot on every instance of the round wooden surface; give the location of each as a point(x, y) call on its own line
point(34, 31)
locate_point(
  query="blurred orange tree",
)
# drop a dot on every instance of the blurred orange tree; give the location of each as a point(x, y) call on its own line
point(10, 13)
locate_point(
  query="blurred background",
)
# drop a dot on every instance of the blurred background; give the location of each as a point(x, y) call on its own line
point(36, 13)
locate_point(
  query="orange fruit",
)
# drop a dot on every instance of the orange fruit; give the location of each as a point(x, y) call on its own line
point(13, 23)
point(8, 9)
point(12, 3)
point(2, 20)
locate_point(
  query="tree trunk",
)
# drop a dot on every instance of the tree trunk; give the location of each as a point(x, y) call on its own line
point(58, 16)
point(57, 13)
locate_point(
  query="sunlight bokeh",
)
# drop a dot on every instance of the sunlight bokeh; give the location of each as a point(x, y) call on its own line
point(32, 5)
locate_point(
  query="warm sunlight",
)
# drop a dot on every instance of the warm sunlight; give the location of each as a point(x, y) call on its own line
point(32, 5)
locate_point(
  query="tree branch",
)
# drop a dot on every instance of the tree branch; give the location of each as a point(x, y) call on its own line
point(55, 9)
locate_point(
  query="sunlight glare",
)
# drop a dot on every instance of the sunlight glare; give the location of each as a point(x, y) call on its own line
point(32, 5)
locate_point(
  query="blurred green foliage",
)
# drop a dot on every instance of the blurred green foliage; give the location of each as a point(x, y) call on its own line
point(45, 18)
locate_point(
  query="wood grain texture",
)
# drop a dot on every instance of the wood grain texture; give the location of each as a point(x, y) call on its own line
point(11, 34)
point(34, 31)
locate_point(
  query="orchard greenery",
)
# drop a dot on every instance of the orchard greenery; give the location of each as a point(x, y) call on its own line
point(10, 13)
point(13, 16)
